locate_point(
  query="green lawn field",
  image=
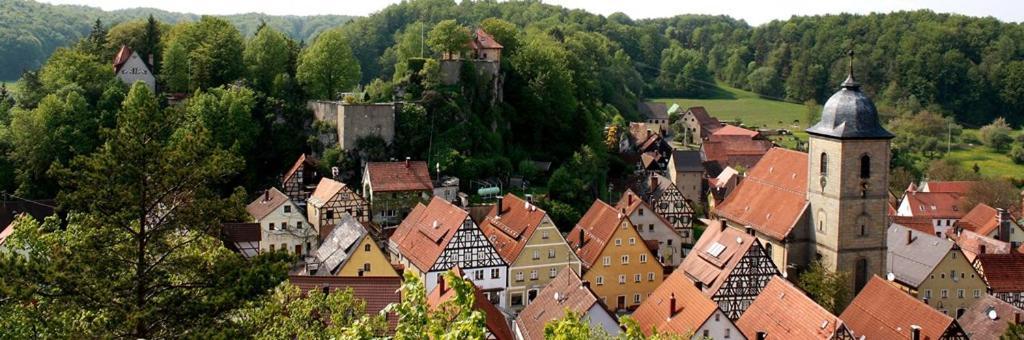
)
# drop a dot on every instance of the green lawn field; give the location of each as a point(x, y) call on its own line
point(991, 162)
point(753, 111)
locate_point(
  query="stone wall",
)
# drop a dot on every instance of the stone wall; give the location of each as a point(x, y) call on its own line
point(354, 121)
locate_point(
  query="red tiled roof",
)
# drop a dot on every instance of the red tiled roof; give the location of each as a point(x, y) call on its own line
point(784, 312)
point(511, 230)
point(377, 291)
point(264, 205)
point(121, 57)
point(983, 220)
point(1003, 272)
point(399, 176)
point(883, 311)
point(692, 307)
point(424, 234)
point(325, 191)
point(713, 271)
point(732, 130)
point(494, 319)
point(922, 224)
point(970, 243)
point(773, 196)
point(485, 40)
point(935, 204)
point(640, 132)
point(564, 292)
point(957, 187)
point(304, 159)
point(598, 225)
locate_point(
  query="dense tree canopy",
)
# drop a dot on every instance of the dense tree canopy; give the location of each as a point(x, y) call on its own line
point(327, 67)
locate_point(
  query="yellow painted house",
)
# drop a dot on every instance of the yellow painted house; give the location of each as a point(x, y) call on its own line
point(350, 251)
point(933, 269)
point(620, 268)
point(528, 240)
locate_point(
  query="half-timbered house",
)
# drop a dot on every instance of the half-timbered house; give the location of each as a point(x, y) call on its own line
point(678, 307)
point(653, 228)
point(301, 179)
point(437, 237)
point(730, 267)
point(883, 311)
point(329, 201)
point(394, 188)
point(1004, 275)
point(668, 201)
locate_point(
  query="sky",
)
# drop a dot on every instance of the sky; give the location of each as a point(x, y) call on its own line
point(755, 12)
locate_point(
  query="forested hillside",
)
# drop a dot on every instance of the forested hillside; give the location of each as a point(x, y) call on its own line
point(30, 31)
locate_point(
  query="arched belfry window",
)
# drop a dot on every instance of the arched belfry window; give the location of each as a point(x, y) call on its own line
point(823, 164)
point(865, 166)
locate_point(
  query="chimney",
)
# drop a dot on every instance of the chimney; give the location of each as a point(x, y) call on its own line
point(440, 284)
point(1004, 223)
point(915, 332)
point(581, 238)
point(326, 289)
point(981, 249)
point(334, 172)
point(266, 195)
point(672, 305)
point(501, 207)
point(910, 236)
point(585, 284)
point(151, 60)
point(654, 183)
point(761, 335)
point(406, 162)
point(1016, 318)
point(699, 285)
point(630, 195)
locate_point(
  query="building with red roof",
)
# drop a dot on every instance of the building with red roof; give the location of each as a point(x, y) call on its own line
point(131, 68)
point(679, 307)
point(699, 125)
point(496, 324)
point(377, 291)
point(653, 227)
point(1004, 275)
point(783, 311)
point(883, 311)
point(393, 188)
point(301, 179)
point(615, 258)
point(528, 240)
point(991, 222)
point(565, 293)
point(732, 146)
point(439, 236)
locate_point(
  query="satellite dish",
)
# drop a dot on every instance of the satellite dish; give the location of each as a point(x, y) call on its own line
point(992, 314)
point(890, 276)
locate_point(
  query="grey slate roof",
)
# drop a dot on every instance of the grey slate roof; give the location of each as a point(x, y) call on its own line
point(337, 247)
point(913, 261)
point(849, 114)
point(687, 160)
point(653, 110)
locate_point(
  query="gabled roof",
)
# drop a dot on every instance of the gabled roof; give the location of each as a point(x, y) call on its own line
point(708, 124)
point(934, 204)
point(729, 130)
point(715, 255)
point(639, 132)
point(337, 247)
point(883, 311)
point(1003, 272)
point(653, 110)
point(630, 201)
point(494, 319)
point(922, 224)
point(597, 226)
point(956, 187)
point(38, 209)
point(564, 292)
point(971, 243)
point(426, 231)
point(687, 160)
point(782, 311)
point(912, 261)
point(652, 187)
point(399, 176)
point(773, 196)
point(308, 161)
point(377, 291)
point(325, 191)
point(977, 321)
point(266, 203)
point(984, 219)
point(510, 230)
point(482, 39)
point(692, 307)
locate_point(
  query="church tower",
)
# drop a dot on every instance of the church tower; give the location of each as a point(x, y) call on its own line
point(848, 160)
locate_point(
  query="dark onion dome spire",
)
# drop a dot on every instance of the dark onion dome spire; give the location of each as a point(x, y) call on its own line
point(849, 114)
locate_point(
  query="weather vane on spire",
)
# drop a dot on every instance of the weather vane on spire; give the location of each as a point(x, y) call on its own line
point(850, 83)
point(850, 53)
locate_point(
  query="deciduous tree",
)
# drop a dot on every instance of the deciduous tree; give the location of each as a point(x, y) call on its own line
point(327, 67)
